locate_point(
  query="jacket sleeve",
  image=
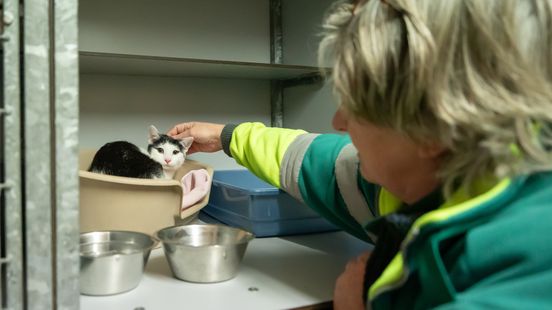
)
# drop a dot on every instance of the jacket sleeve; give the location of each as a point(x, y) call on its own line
point(319, 170)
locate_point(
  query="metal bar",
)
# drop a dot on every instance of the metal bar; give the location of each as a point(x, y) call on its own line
point(276, 57)
point(12, 157)
point(66, 154)
point(2, 178)
point(276, 104)
point(38, 175)
point(276, 33)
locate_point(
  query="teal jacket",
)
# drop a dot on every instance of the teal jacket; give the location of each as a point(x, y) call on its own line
point(491, 249)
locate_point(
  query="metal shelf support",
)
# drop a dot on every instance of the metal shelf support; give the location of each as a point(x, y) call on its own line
point(276, 57)
point(13, 209)
point(40, 228)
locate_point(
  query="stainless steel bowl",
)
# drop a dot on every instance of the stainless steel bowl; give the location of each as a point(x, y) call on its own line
point(112, 262)
point(204, 252)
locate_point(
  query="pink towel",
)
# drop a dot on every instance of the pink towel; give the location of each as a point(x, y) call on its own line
point(195, 185)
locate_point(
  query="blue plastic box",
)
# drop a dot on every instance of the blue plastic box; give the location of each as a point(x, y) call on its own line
point(238, 198)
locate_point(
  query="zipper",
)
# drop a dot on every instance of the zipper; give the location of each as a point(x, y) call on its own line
point(406, 271)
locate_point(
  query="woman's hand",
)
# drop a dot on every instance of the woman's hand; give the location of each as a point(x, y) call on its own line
point(206, 136)
point(349, 287)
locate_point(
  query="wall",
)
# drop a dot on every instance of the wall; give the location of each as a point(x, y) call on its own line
point(227, 30)
point(118, 107)
point(302, 20)
point(122, 107)
point(309, 107)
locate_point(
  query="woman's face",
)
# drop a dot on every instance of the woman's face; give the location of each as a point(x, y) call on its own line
point(386, 157)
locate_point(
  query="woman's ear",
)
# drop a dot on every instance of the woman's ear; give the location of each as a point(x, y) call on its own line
point(430, 149)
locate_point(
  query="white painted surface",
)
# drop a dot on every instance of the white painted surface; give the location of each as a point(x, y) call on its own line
point(302, 25)
point(288, 272)
point(225, 30)
point(310, 107)
point(124, 64)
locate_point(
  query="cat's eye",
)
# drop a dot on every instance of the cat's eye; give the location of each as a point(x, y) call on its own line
point(160, 150)
point(175, 152)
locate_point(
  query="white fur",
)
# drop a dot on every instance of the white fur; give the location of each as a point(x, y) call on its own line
point(170, 162)
point(167, 154)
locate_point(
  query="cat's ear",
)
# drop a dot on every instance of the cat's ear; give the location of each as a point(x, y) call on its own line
point(153, 134)
point(186, 143)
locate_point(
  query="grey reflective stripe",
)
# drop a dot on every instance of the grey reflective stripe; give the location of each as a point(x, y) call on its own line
point(291, 164)
point(346, 174)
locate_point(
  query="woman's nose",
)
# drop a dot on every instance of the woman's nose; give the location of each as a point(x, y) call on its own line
point(339, 121)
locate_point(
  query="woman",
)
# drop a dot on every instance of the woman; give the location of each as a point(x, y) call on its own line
point(447, 106)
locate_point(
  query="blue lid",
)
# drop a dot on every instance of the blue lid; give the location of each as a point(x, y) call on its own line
point(243, 180)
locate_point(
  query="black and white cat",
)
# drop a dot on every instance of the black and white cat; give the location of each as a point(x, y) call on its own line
point(161, 160)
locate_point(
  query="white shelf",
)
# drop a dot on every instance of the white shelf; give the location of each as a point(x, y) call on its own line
point(276, 273)
point(125, 64)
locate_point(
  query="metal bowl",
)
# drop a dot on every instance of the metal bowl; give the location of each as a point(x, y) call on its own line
point(112, 262)
point(204, 252)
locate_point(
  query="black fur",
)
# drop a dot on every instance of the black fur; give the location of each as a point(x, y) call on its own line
point(122, 158)
point(163, 139)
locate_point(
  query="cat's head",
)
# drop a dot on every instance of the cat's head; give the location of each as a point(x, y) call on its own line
point(169, 152)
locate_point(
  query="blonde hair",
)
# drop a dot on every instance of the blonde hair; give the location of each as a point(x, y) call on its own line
point(472, 75)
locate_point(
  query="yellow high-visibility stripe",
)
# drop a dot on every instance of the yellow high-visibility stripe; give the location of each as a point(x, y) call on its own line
point(261, 149)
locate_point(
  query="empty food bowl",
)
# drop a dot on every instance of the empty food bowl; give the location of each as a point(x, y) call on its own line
point(204, 252)
point(112, 262)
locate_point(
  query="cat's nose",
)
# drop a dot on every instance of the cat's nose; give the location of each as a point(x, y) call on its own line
point(167, 161)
